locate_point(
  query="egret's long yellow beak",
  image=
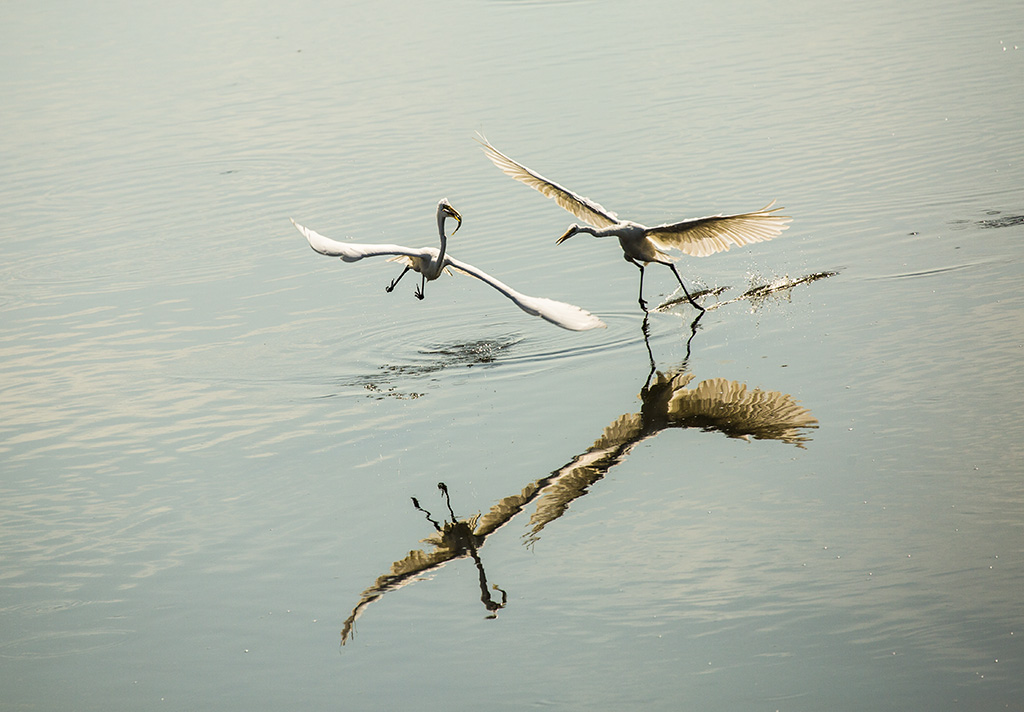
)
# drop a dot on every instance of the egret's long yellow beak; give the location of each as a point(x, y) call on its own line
point(449, 210)
point(568, 233)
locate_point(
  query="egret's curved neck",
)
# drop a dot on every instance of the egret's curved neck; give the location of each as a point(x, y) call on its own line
point(617, 230)
point(441, 219)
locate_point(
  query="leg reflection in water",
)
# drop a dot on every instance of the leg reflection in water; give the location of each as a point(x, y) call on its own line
point(460, 537)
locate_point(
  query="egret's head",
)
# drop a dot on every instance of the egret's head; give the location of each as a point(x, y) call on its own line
point(573, 229)
point(445, 211)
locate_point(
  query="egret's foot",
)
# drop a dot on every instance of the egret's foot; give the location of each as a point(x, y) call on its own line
point(692, 301)
point(419, 294)
point(643, 304)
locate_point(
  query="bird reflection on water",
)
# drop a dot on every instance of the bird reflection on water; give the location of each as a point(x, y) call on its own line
point(455, 539)
point(667, 401)
point(713, 405)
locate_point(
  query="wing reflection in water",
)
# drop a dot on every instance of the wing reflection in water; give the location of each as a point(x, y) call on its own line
point(667, 401)
point(716, 404)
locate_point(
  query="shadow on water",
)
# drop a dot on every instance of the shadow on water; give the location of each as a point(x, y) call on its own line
point(667, 401)
point(755, 295)
point(482, 352)
point(1004, 221)
point(996, 220)
point(494, 351)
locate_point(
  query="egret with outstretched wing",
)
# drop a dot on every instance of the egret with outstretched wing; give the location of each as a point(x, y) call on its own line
point(431, 263)
point(641, 245)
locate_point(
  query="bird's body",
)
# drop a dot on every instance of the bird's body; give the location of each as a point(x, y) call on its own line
point(633, 241)
point(641, 245)
point(431, 263)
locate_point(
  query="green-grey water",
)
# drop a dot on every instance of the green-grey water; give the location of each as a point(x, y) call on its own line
point(211, 435)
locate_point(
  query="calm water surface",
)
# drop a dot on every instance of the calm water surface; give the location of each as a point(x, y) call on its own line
point(211, 435)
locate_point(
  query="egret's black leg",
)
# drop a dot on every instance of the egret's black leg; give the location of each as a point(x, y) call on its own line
point(695, 304)
point(643, 304)
point(419, 292)
point(394, 282)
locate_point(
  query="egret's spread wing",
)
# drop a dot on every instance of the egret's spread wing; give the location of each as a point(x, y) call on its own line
point(583, 208)
point(561, 314)
point(353, 251)
point(701, 237)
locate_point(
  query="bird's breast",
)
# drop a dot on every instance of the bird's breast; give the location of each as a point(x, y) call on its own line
point(638, 247)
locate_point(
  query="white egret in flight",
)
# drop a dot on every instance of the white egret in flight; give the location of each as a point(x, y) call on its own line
point(698, 237)
point(431, 262)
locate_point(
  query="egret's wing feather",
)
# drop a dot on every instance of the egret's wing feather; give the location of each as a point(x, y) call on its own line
point(700, 237)
point(354, 251)
point(583, 208)
point(561, 314)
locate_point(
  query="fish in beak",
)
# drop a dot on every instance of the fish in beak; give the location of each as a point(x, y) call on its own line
point(452, 212)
